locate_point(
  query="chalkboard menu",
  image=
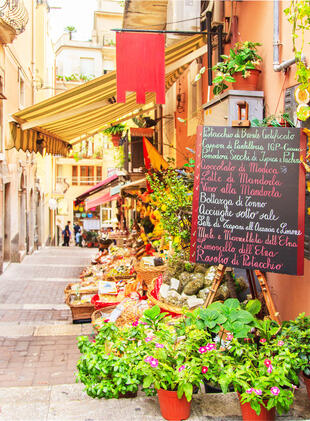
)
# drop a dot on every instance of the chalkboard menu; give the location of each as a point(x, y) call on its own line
point(249, 198)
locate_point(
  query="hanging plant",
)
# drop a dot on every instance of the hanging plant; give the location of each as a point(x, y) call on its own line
point(298, 14)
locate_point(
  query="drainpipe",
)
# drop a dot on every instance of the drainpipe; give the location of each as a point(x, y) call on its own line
point(277, 66)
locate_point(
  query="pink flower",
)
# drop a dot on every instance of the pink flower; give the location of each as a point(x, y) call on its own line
point(210, 347)
point(262, 341)
point(280, 343)
point(249, 391)
point(148, 359)
point(269, 369)
point(202, 349)
point(204, 369)
point(159, 345)
point(275, 390)
point(246, 339)
point(154, 363)
point(135, 323)
point(294, 386)
point(267, 363)
point(149, 338)
point(258, 392)
point(182, 368)
point(143, 323)
point(106, 321)
point(93, 340)
point(230, 337)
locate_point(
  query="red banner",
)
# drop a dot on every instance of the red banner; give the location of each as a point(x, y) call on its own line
point(140, 65)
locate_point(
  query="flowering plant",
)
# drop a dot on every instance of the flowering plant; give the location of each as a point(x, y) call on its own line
point(242, 58)
point(176, 363)
point(296, 333)
point(260, 368)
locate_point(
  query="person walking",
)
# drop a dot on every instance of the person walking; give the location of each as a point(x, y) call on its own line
point(67, 234)
point(77, 234)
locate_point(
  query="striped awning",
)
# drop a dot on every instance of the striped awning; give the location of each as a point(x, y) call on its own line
point(90, 107)
point(105, 198)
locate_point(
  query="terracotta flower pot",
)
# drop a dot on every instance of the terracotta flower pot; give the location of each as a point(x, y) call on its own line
point(246, 84)
point(307, 383)
point(115, 139)
point(171, 407)
point(248, 414)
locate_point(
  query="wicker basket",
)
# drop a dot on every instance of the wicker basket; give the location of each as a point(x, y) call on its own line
point(80, 312)
point(164, 306)
point(147, 274)
point(69, 290)
point(97, 314)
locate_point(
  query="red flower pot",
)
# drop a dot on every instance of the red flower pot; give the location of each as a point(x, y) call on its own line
point(171, 407)
point(246, 84)
point(248, 414)
point(115, 139)
point(307, 383)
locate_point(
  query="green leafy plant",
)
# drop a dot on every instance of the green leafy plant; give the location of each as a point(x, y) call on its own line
point(173, 193)
point(70, 30)
point(296, 333)
point(242, 58)
point(114, 129)
point(298, 14)
point(273, 120)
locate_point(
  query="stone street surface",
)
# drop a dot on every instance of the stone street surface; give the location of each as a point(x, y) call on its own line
point(38, 352)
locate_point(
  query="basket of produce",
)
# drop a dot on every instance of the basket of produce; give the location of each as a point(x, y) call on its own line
point(81, 306)
point(148, 272)
point(88, 287)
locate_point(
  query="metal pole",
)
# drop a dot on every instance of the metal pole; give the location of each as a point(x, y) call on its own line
point(220, 42)
point(159, 31)
point(209, 42)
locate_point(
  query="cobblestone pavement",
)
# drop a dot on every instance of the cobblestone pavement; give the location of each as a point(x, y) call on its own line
point(38, 353)
point(37, 338)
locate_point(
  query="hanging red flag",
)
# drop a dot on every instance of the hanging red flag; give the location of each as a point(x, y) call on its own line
point(140, 65)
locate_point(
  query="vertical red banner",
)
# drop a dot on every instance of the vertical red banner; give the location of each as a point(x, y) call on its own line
point(140, 65)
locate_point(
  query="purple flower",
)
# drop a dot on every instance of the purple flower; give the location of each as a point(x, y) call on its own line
point(149, 338)
point(202, 350)
point(269, 369)
point(154, 363)
point(275, 390)
point(262, 341)
point(159, 345)
point(249, 391)
point(258, 392)
point(280, 343)
point(182, 368)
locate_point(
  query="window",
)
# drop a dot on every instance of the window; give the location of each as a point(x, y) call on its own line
point(98, 174)
point(75, 175)
point(87, 66)
point(86, 175)
point(21, 91)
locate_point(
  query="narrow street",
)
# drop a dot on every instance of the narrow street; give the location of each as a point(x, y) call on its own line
point(38, 352)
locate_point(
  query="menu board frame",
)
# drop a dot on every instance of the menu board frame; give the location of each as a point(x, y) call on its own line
point(299, 268)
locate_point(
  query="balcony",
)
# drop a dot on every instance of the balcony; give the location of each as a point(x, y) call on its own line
point(13, 20)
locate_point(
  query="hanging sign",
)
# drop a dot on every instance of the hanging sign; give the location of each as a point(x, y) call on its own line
point(140, 65)
point(249, 198)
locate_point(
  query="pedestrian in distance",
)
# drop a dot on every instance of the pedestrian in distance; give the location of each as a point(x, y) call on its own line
point(77, 234)
point(67, 234)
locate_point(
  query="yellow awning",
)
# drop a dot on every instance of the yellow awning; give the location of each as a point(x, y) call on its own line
point(86, 109)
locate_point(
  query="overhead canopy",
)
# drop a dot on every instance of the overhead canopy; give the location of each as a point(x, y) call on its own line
point(95, 189)
point(88, 108)
point(105, 198)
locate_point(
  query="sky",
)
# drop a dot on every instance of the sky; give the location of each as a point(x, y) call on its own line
point(77, 13)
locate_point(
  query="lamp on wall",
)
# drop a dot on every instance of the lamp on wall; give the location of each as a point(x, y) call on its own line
point(180, 99)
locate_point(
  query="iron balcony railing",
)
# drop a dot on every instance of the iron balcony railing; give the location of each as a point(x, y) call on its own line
point(15, 14)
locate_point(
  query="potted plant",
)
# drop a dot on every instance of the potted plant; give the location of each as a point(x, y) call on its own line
point(262, 370)
point(107, 366)
point(115, 131)
point(173, 363)
point(296, 333)
point(239, 67)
